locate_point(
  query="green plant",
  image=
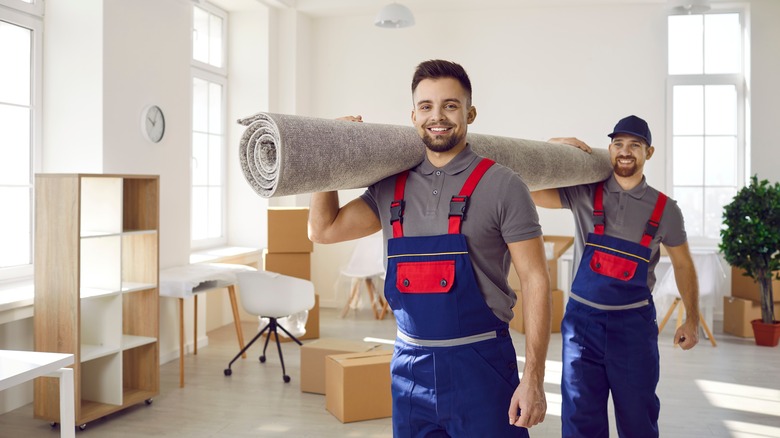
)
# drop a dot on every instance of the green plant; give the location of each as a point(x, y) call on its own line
point(750, 239)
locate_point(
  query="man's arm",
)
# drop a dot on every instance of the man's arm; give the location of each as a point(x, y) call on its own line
point(549, 198)
point(687, 283)
point(531, 266)
point(330, 224)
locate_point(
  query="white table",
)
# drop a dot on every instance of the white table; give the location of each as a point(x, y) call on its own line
point(17, 367)
point(188, 281)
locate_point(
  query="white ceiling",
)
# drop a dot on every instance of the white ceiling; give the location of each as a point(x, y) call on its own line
point(324, 8)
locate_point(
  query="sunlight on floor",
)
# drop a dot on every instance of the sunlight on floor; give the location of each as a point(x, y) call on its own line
point(741, 397)
point(741, 429)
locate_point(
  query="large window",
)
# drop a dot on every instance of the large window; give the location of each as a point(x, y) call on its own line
point(20, 84)
point(209, 82)
point(706, 103)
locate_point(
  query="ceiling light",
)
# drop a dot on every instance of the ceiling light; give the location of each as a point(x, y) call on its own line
point(690, 6)
point(394, 15)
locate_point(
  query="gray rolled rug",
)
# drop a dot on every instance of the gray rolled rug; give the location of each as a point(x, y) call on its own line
point(288, 155)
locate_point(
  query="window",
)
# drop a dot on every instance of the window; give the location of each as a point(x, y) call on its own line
point(20, 82)
point(209, 83)
point(706, 104)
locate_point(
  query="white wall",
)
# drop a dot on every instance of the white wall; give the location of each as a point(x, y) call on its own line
point(765, 88)
point(537, 72)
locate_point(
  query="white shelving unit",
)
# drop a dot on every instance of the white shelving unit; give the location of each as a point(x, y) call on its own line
point(96, 289)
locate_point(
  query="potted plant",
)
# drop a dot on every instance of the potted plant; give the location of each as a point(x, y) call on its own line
point(750, 240)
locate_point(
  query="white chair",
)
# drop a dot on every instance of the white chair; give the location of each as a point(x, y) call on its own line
point(710, 276)
point(273, 296)
point(366, 264)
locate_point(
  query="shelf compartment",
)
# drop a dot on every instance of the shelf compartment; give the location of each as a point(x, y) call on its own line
point(101, 326)
point(100, 265)
point(140, 258)
point(140, 312)
point(101, 380)
point(137, 377)
point(101, 205)
point(141, 203)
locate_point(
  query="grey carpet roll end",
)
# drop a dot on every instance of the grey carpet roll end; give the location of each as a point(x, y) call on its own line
point(287, 155)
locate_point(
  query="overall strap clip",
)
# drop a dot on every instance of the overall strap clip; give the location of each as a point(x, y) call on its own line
point(460, 202)
point(398, 205)
point(598, 209)
point(651, 227)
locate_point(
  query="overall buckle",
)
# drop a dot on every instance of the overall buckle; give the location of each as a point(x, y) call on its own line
point(397, 211)
point(458, 206)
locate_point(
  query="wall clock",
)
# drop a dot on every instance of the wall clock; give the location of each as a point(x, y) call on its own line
point(153, 123)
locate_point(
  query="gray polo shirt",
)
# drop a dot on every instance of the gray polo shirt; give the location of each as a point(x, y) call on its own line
point(626, 212)
point(500, 211)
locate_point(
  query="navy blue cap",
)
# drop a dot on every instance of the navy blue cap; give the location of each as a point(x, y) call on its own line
point(635, 126)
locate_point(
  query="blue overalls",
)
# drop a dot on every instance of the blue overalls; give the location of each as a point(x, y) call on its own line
point(610, 335)
point(454, 369)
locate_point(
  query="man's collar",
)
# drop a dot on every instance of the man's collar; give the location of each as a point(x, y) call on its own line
point(458, 164)
point(637, 192)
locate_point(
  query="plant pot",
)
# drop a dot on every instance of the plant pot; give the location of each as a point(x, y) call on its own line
point(766, 335)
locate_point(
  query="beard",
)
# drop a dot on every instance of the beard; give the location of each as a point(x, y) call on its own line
point(441, 144)
point(624, 172)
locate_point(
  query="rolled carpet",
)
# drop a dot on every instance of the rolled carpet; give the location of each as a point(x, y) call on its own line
point(287, 155)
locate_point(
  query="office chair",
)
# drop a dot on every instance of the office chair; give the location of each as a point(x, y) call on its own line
point(365, 264)
point(273, 296)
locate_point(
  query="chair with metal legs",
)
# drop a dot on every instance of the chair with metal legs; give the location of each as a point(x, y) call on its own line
point(273, 296)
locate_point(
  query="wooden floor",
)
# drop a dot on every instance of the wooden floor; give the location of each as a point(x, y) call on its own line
point(729, 391)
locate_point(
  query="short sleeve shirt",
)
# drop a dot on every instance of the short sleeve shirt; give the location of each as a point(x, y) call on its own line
point(500, 211)
point(626, 213)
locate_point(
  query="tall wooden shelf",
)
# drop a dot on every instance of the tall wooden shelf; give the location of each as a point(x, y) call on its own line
point(96, 289)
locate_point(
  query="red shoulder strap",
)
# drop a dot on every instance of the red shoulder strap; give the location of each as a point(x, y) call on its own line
point(652, 225)
point(598, 209)
point(459, 203)
point(397, 206)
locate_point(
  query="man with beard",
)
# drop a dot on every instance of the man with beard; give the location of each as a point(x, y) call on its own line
point(453, 224)
point(609, 330)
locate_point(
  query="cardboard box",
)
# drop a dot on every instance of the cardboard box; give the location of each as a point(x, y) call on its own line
point(288, 230)
point(749, 289)
point(557, 312)
point(737, 314)
point(313, 356)
point(560, 244)
point(291, 263)
point(357, 386)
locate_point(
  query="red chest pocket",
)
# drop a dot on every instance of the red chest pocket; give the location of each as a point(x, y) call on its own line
point(613, 266)
point(434, 277)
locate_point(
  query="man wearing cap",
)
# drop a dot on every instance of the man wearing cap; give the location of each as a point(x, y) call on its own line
point(609, 331)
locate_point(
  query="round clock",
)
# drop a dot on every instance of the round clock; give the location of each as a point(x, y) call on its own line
point(153, 123)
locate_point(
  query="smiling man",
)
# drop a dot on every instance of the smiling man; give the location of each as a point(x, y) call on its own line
point(609, 330)
point(453, 224)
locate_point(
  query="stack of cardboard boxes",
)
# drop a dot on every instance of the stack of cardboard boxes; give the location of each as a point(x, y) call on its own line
point(354, 376)
point(289, 253)
point(559, 245)
point(744, 304)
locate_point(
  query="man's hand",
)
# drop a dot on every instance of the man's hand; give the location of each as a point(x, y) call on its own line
point(571, 141)
point(357, 118)
point(528, 405)
point(687, 336)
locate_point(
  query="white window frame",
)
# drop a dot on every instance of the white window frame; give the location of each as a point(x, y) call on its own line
point(213, 74)
point(33, 8)
point(743, 143)
point(24, 16)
